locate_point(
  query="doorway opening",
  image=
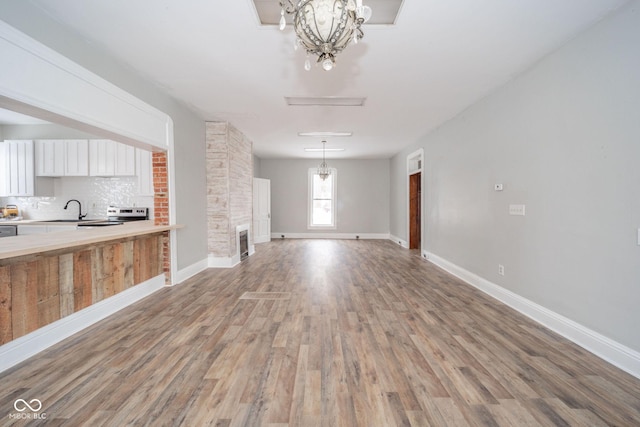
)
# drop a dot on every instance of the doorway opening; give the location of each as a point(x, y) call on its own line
point(415, 200)
point(415, 191)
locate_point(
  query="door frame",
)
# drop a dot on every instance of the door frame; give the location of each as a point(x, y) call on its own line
point(415, 162)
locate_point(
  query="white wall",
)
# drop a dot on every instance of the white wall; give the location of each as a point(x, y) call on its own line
point(564, 139)
point(190, 181)
point(362, 195)
point(256, 166)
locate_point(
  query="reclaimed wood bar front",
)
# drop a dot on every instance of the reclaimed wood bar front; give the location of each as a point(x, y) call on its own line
point(39, 288)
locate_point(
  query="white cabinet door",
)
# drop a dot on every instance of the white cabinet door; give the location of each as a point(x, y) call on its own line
point(102, 157)
point(111, 158)
point(144, 169)
point(125, 160)
point(20, 178)
point(50, 155)
point(76, 157)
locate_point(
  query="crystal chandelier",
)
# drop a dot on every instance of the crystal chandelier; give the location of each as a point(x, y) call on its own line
point(325, 27)
point(323, 169)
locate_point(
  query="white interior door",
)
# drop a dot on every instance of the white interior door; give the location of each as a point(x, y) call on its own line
point(261, 210)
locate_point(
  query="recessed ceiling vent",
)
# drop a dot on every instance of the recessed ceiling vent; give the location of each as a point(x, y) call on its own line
point(325, 101)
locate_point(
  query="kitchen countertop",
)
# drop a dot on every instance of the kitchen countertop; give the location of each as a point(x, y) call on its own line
point(4, 221)
point(16, 246)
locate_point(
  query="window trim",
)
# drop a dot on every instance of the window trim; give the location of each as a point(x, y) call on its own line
point(334, 200)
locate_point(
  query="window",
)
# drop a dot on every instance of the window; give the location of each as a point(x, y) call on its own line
point(322, 200)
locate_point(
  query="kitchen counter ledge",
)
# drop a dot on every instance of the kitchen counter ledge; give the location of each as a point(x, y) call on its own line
point(16, 246)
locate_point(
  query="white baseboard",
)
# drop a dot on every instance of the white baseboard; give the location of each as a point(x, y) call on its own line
point(191, 271)
point(613, 352)
point(227, 262)
point(399, 241)
point(29, 345)
point(362, 236)
point(222, 262)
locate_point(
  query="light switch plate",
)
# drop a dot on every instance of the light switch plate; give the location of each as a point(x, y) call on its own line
point(516, 210)
point(638, 236)
point(498, 187)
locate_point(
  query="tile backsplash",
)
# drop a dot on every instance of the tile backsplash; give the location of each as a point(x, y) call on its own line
point(95, 194)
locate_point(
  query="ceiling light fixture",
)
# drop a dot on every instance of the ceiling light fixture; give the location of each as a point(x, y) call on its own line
point(312, 150)
point(325, 101)
point(323, 169)
point(325, 27)
point(325, 134)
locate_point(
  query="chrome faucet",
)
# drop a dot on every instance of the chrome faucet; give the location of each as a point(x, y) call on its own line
point(80, 216)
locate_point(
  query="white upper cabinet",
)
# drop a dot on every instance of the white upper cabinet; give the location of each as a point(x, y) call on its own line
point(19, 169)
point(125, 160)
point(18, 172)
point(57, 157)
point(76, 157)
point(102, 157)
point(50, 157)
point(111, 158)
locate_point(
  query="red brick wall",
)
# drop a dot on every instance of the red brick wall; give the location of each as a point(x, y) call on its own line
point(161, 204)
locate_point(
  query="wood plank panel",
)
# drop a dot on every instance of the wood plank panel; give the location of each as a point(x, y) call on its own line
point(6, 323)
point(48, 289)
point(82, 280)
point(118, 268)
point(108, 271)
point(65, 271)
point(24, 298)
point(128, 264)
point(139, 260)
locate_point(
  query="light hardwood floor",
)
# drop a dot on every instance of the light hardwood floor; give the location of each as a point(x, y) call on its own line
point(322, 333)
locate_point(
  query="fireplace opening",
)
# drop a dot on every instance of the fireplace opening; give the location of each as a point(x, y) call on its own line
point(244, 244)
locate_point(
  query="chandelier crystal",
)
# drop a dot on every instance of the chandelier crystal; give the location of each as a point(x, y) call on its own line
point(323, 169)
point(325, 27)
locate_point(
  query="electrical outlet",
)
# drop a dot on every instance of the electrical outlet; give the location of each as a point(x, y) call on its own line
point(501, 269)
point(516, 210)
point(498, 187)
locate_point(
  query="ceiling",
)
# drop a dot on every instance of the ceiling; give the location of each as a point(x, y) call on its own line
point(438, 58)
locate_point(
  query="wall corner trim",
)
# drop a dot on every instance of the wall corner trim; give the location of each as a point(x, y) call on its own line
point(607, 349)
point(399, 241)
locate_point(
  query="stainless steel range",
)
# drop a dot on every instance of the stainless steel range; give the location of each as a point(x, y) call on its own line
point(127, 214)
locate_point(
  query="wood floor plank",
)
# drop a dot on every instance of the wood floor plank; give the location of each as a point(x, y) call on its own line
point(305, 333)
